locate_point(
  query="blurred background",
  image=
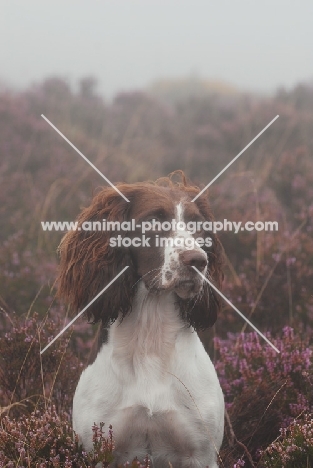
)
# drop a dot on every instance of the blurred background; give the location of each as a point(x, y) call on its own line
point(146, 87)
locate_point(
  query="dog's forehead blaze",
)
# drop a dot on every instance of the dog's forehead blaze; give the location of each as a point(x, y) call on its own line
point(191, 210)
point(173, 202)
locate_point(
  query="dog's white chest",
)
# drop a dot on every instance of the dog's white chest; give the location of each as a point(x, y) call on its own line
point(153, 389)
point(152, 411)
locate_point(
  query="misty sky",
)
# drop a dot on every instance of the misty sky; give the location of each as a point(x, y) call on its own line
point(254, 45)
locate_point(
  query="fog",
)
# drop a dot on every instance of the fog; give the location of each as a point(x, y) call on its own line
point(129, 44)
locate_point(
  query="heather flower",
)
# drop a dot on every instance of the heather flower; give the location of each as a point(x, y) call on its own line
point(294, 446)
point(46, 439)
point(264, 391)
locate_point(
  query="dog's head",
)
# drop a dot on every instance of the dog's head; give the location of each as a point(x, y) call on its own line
point(159, 235)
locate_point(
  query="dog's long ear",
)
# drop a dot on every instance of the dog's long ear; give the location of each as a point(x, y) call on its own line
point(202, 313)
point(88, 262)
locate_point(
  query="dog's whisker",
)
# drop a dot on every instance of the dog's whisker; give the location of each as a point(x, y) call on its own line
point(143, 276)
point(155, 281)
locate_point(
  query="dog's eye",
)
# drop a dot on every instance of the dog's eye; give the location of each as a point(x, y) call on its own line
point(157, 216)
point(195, 223)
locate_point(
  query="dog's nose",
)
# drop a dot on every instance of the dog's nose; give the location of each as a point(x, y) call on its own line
point(194, 258)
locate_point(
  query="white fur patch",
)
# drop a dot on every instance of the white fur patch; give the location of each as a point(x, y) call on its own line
point(155, 383)
point(169, 270)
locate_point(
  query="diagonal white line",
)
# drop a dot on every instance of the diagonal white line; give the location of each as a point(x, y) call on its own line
point(238, 311)
point(236, 157)
point(84, 157)
point(84, 309)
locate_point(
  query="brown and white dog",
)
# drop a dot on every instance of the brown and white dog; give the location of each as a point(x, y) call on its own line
point(152, 379)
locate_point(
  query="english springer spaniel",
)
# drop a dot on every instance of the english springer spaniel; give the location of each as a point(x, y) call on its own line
point(152, 380)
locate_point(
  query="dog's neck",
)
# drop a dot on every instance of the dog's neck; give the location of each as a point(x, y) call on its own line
point(147, 336)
